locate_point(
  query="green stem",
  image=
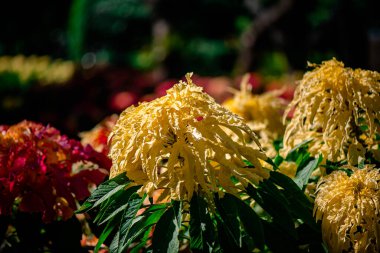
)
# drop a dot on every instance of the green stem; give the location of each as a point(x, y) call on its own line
point(76, 29)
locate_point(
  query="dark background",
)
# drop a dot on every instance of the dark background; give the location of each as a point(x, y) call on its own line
point(133, 45)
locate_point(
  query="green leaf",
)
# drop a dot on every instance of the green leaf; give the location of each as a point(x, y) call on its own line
point(299, 205)
point(115, 204)
point(224, 242)
point(115, 243)
point(278, 160)
point(250, 220)
point(155, 207)
point(229, 216)
point(303, 158)
point(106, 196)
point(130, 232)
point(295, 152)
point(202, 230)
point(278, 144)
point(289, 187)
point(84, 207)
point(104, 191)
point(304, 172)
point(108, 186)
point(165, 237)
point(111, 225)
point(134, 204)
point(275, 204)
point(142, 243)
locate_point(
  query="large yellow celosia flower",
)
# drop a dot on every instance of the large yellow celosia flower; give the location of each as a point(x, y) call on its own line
point(339, 108)
point(179, 143)
point(263, 113)
point(349, 209)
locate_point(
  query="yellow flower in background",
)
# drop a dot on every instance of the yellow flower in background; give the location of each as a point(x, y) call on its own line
point(263, 113)
point(349, 208)
point(339, 108)
point(40, 68)
point(179, 143)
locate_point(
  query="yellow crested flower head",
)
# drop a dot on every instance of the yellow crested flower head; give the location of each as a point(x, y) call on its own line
point(263, 113)
point(179, 143)
point(339, 108)
point(349, 207)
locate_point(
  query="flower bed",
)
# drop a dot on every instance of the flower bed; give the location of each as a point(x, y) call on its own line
point(189, 174)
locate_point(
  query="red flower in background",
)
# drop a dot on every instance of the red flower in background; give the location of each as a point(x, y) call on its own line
point(255, 81)
point(98, 136)
point(46, 172)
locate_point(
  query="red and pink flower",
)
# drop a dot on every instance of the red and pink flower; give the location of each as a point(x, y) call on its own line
point(44, 171)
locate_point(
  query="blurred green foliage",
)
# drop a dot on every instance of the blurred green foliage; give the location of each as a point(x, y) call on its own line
point(203, 36)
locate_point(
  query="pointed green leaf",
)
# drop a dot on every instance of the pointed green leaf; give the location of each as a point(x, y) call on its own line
point(300, 206)
point(274, 203)
point(155, 207)
point(202, 230)
point(108, 195)
point(278, 160)
point(165, 237)
point(115, 243)
point(304, 171)
point(278, 144)
point(104, 190)
point(134, 204)
point(229, 216)
point(84, 207)
point(116, 204)
point(224, 242)
point(111, 225)
point(250, 220)
point(139, 226)
point(295, 152)
point(142, 243)
point(132, 229)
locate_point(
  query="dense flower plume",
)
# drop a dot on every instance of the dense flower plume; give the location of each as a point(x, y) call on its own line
point(339, 108)
point(98, 136)
point(263, 113)
point(43, 171)
point(349, 209)
point(179, 143)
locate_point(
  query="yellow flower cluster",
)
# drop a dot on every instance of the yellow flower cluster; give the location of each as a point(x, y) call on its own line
point(339, 109)
point(263, 113)
point(42, 68)
point(179, 143)
point(349, 208)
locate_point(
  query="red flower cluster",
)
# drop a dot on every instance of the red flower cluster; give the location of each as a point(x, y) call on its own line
point(44, 171)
